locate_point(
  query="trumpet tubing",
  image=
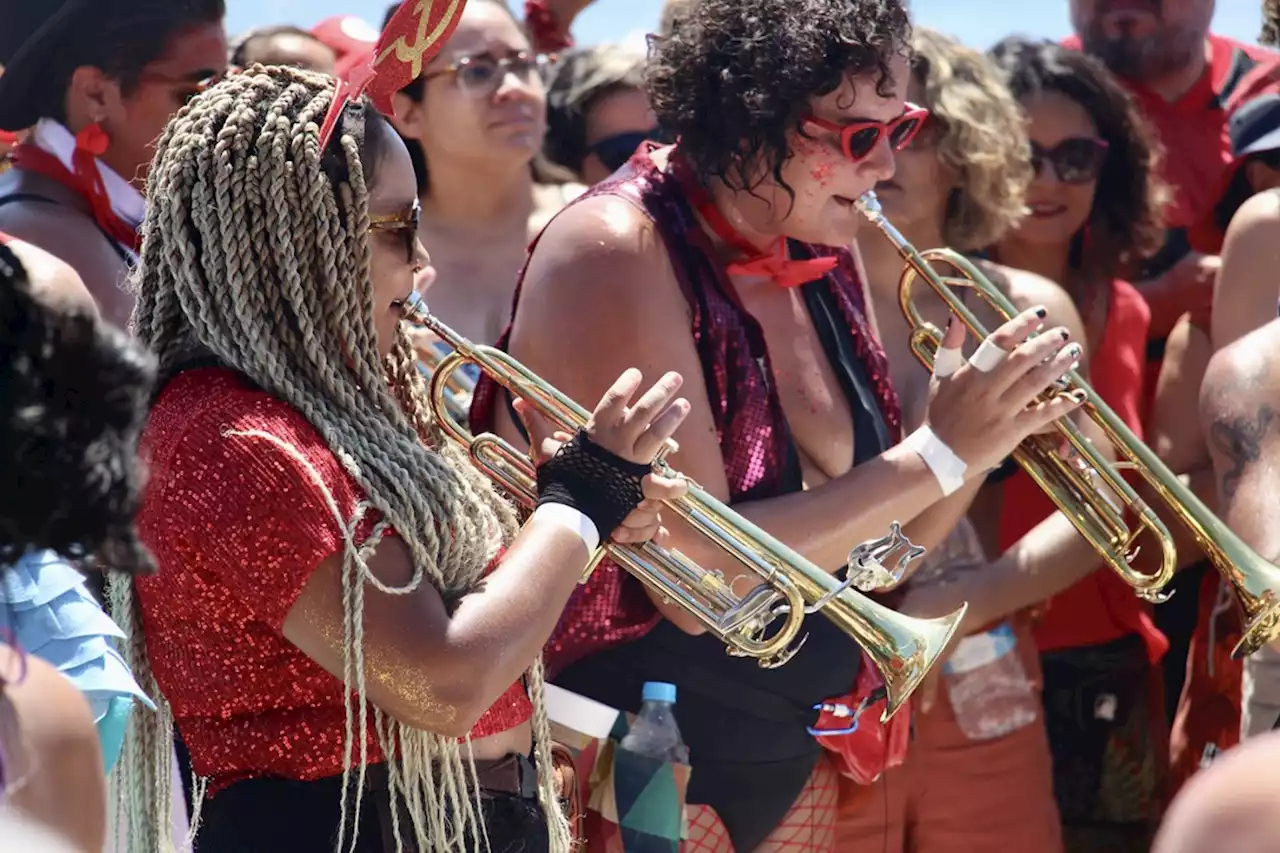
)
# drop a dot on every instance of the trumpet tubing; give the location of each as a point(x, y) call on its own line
point(459, 387)
point(1253, 579)
point(789, 589)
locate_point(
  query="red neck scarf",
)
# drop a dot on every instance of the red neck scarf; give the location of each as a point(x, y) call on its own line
point(86, 182)
point(772, 263)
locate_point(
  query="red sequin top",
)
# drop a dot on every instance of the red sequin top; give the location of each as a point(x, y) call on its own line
point(237, 524)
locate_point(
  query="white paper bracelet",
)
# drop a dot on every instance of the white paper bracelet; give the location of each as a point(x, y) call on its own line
point(988, 356)
point(947, 468)
point(570, 519)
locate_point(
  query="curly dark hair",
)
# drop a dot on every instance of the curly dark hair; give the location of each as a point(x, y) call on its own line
point(736, 76)
point(73, 397)
point(1125, 225)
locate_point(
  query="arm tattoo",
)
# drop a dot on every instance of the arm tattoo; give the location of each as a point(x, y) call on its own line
point(1239, 441)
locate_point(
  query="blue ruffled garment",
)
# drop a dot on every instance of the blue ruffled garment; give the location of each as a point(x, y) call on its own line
point(46, 607)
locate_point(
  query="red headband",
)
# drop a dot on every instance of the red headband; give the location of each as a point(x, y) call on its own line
point(411, 39)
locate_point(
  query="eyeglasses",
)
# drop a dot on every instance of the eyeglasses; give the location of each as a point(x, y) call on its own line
point(614, 151)
point(858, 139)
point(483, 74)
point(1075, 161)
point(189, 88)
point(404, 225)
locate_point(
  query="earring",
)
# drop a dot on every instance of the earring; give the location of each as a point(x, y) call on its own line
point(92, 139)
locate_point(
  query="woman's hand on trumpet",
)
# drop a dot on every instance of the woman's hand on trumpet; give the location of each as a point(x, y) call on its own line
point(635, 431)
point(983, 408)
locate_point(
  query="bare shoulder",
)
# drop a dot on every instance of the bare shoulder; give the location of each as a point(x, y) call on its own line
point(600, 251)
point(1026, 289)
point(1242, 376)
point(55, 774)
point(1260, 215)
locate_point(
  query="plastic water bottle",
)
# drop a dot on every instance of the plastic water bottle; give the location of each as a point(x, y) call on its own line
point(988, 686)
point(654, 734)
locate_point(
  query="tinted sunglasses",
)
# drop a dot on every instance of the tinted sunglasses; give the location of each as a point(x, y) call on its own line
point(1075, 161)
point(859, 138)
point(615, 151)
point(404, 225)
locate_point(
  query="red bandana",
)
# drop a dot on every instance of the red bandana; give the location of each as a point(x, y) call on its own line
point(86, 182)
point(774, 263)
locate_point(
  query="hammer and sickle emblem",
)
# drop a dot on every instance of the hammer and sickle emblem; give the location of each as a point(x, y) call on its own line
point(411, 53)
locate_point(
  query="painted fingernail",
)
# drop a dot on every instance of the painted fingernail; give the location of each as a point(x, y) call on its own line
point(1041, 313)
point(950, 320)
point(1065, 334)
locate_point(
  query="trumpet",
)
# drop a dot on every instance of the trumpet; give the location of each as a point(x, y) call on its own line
point(459, 387)
point(1253, 580)
point(790, 588)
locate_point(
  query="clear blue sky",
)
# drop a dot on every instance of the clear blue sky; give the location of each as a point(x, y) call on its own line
point(979, 23)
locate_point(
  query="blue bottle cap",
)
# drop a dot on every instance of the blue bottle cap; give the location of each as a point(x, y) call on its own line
point(658, 691)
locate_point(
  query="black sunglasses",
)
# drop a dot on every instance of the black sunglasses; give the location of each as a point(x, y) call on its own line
point(1075, 161)
point(614, 151)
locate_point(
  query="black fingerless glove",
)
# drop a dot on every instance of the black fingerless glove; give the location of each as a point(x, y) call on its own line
point(596, 482)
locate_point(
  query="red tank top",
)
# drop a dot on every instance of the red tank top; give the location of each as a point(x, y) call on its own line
point(1101, 607)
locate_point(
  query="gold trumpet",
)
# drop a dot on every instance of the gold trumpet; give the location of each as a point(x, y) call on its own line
point(903, 648)
point(1074, 491)
point(459, 387)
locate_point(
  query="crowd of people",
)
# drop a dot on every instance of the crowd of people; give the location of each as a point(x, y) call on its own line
point(256, 598)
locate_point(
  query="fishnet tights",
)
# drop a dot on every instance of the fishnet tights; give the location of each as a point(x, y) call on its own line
point(809, 827)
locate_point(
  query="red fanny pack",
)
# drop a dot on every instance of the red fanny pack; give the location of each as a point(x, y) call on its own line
point(849, 728)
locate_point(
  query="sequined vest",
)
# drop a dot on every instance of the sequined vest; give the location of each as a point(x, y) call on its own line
point(758, 451)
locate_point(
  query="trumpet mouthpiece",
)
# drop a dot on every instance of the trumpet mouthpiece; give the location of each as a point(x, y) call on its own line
point(869, 203)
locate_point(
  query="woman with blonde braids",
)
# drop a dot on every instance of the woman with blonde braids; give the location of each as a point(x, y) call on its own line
point(339, 637)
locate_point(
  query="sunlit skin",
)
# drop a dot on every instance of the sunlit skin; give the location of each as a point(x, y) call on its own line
point(825, 182)
point(1057, 209)
point(134, 121)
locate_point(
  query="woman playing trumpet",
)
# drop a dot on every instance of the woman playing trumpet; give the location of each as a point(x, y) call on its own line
point(715, 256)
point(346, 623)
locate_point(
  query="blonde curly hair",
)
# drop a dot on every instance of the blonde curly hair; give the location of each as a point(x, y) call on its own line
point(979, 133)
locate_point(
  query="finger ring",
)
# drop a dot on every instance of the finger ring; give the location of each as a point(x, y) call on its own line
point(989, 356)
point(947, 361)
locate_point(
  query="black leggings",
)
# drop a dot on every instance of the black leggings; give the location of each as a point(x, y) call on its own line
point(284, 816)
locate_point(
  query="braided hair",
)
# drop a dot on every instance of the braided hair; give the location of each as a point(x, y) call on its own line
point(1270, 23)
point(256, 253)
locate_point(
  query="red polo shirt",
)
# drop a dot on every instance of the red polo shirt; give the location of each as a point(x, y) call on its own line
point(1193, 131)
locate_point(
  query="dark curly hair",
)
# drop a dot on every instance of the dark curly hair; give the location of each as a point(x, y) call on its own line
point(736, 76)
point(73, 397)
point(1125, 225)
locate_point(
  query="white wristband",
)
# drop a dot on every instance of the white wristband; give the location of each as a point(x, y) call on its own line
point(948, 468)
point(570, 519)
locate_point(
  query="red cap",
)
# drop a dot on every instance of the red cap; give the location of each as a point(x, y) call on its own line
point(414, 35)
point(1207, 234)
point(346, 34)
